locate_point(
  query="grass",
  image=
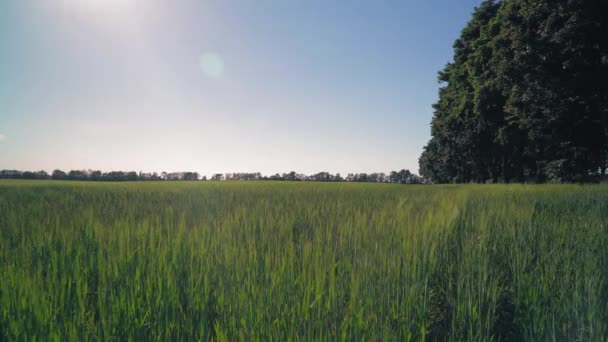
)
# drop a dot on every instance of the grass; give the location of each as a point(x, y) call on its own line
point(302, 261)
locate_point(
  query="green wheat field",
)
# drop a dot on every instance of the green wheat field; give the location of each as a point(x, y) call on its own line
point(302, 261)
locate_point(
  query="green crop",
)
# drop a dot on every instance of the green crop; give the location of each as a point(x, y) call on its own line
point(302, 261)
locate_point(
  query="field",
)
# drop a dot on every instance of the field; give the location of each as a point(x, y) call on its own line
point(302, 261)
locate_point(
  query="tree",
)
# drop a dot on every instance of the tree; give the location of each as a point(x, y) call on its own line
point(42, 175)
point(525, 96)
point(291, 176)
point(78, 175)
point(322, 177)
point(10, 174)
point(190, 176)
point(555, 83)
point(405, 176)
point(28, 175)
point(361, 177)
point(461, 146)
point(121, 176)
point(131, 176)
point(95, 175)
point(59, 175)
point(115, 176)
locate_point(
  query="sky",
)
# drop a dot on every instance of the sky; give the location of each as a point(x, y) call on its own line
point(221, 86)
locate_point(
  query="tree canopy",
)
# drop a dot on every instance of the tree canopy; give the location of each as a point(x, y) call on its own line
point(401, 177)
point(525, 97)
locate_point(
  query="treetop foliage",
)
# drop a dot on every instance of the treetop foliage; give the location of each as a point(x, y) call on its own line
point(525, 97)
point(399, 177)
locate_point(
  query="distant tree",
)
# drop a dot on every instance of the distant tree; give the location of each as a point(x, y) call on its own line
point(372, 178)
point(115, 176)
point(415, 179)
point(190, 176)
point(244, 176)
point(322, 177)
point(28, 175)
point(361, 177)
point(79, 175)
point(95, 175)
point(42, 175)
point(131, 176)
point(405, 176)
point(393, 177)
point(291, 176)
point(120, 176)
point(10, 174)
point(382, 177)
point(59, 175)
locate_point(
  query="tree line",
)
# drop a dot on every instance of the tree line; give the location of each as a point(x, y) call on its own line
point(525, 97)
point(399, 177)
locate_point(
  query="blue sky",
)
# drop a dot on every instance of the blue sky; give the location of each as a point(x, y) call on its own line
point(221, 86)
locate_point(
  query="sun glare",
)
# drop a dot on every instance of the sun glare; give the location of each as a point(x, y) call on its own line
point(101, 5)
point(124, 16)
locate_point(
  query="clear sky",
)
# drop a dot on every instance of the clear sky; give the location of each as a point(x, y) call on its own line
point(221, 86)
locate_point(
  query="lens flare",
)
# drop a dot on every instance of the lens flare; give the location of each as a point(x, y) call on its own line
point(212, 65)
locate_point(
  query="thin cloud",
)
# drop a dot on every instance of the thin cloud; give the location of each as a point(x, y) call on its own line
point(3, 137)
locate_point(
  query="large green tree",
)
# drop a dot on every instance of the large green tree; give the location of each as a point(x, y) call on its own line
point(462, 148)
point(525, 96)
